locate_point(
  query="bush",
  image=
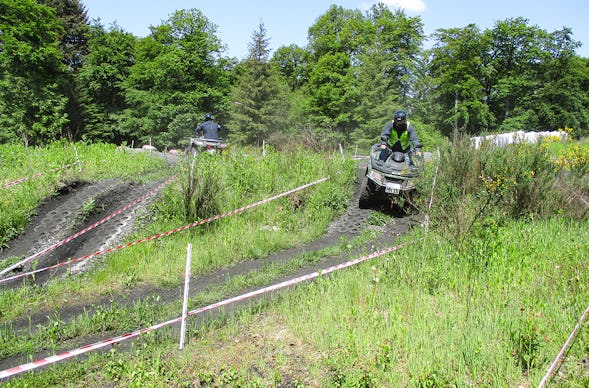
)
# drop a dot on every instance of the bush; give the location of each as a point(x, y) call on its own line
point(520, 180)
point(203, 192)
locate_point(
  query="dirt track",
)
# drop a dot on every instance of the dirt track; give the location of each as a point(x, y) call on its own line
point(56, 220)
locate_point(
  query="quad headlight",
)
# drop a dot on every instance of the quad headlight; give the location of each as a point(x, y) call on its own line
point(377, 177)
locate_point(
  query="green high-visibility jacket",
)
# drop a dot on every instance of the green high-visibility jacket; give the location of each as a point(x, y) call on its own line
point(409, 136)
point(403, 139)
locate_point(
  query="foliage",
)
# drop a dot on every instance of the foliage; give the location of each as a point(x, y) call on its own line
point(106, 67)
point(63, 78)
point(478, 186)
point(527, 344)
point(493, 310)
point(177, 72)
point(575, 158)
point(33, 113)
point(73, 45)
point(31, 109)
point(290, 62)
point(204, 188)
point(73, 42)
point(456, 65)
point(506, 79)
point(331, 94)
point(259, 97)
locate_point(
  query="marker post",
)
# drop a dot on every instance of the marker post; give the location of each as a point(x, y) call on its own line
point(185, 303)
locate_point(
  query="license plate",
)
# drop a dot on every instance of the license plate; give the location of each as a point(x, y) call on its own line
point(392, 188)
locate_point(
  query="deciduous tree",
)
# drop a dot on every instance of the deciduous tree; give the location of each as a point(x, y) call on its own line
point(178, 73)
point(106, 67)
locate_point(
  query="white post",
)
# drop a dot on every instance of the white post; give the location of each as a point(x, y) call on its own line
point(185, 303)
point(77, 158)
point(431, 199)
point(264, 148)
point(341, 150)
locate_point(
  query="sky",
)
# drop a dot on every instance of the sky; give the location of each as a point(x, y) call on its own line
point(287, 22)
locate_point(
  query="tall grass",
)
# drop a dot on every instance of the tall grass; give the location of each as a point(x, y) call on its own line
point(423, 316)
point(493, 315)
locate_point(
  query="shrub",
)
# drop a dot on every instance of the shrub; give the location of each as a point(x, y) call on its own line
point(520, 180)
point(204, 188)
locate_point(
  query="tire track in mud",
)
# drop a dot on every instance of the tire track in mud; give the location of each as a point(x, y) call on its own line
point(351, 224)
point(55, 217)
point(61, 216)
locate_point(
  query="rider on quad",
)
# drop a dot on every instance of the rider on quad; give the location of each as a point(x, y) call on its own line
point(398, 135)
point(208, 129)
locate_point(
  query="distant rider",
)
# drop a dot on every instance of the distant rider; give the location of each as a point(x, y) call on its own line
point(398, 135)
point(208, 129)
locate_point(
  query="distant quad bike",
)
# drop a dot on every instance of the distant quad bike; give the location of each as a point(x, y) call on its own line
point(390, 182)
point(200, 144)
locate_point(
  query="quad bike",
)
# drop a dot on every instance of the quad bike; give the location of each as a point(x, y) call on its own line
point(200, 144)
point(391, 181)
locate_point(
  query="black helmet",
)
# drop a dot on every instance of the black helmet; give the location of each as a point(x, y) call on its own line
point(208, 116)
point(400, 116)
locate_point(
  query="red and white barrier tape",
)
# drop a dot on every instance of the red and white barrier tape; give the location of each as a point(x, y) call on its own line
point(81, 232)
point(21, 180)
point(87, 348)
point(158, 235)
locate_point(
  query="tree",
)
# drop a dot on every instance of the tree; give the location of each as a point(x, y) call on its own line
point(335, 41)
point(106, 67)
point(562, 96)
point(259, 96)
point(337, 31)
point(292, 63)
point(515, 56)
point(73, 41)
point(386, 70)
point(31, 109)
point(177, 76)
point(458, 70)
point(398, 39)
point(74, 47)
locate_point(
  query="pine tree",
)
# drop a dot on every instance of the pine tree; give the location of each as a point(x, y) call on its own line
point(73, 40)
point(73, 43)
point(259, 98)
point(31, 108)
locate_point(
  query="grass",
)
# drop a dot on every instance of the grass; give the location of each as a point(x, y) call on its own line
point(500, 325)
point(492, 308)
point(115, 318)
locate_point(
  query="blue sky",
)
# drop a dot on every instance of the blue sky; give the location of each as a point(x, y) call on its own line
point(287, 22)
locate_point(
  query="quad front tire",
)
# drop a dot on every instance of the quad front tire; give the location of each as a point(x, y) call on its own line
point(366, 200)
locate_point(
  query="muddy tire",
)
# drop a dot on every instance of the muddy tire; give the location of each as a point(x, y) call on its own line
point(366, 199)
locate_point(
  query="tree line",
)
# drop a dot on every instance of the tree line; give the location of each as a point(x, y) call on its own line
point(64, 77)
